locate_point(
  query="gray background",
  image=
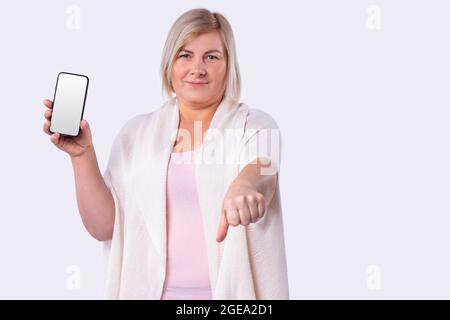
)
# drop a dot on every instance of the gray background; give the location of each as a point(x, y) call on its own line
point(363, 114)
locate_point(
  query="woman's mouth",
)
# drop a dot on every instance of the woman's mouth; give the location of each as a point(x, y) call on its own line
point(197, 84)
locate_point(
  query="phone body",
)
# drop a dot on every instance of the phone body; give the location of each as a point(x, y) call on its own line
point(68, 103)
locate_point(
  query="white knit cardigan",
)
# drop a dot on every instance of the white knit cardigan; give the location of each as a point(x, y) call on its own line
point(249, 264)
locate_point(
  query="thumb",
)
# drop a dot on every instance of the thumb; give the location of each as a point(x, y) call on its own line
point(86, 138)
point(84, 125)
point(223, 228)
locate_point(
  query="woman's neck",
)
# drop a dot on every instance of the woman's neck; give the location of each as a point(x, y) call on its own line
point(195, 120)
point(191, 113)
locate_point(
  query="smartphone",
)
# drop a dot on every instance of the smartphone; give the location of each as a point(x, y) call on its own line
point(68, 103)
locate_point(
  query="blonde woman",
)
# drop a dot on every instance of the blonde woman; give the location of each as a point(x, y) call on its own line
point(188, 206)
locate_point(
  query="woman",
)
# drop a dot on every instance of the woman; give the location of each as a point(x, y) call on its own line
point(180, 176)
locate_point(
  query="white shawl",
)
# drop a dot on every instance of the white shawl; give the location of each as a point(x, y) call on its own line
point(249, 264)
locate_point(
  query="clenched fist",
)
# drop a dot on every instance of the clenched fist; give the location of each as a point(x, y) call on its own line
point(242, 205)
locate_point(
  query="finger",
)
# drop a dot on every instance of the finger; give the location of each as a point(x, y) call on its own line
point(232, 216)
point(54, 138)
point(84, 125)
point(48, 114)
point(254, 211)
point(85, 131)
point(223, 228)
point(57, 139)
point(261, 208)
point(85, 136)
point(48, 103)
point(244, 214)
point(46, 127)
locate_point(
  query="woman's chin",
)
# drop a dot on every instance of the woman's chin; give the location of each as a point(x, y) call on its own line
point(197, 98)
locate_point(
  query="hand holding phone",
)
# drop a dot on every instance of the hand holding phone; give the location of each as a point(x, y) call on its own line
point(61, 115)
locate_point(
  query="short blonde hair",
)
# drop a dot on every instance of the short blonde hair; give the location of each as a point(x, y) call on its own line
point(186, 27)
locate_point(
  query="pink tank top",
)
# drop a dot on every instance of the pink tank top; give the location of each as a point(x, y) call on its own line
point(187, 273)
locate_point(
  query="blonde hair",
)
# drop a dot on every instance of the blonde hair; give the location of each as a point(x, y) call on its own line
point(186, 27)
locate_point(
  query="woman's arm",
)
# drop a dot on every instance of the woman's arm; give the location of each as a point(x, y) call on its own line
point(247, 197)
point(94, 199)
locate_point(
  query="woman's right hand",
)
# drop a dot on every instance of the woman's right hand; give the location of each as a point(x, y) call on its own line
point(74, 146)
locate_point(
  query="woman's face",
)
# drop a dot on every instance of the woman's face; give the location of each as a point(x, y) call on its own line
point(199, 70)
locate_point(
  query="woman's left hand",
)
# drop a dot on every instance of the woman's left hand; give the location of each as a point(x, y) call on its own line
point(242, 205)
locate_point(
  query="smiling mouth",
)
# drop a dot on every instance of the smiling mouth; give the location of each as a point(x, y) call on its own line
point(197, 82)
point(197, 85)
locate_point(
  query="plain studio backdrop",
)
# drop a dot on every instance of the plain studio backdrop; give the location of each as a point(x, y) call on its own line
point(360, 90)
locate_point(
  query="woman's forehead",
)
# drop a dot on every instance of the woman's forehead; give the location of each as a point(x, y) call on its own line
point(204, 42)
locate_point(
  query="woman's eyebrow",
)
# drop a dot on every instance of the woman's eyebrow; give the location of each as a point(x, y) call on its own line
point(210, 51)
point(215, 50)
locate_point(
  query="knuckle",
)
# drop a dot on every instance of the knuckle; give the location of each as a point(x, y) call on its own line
point(233, 223)
point(233, 219)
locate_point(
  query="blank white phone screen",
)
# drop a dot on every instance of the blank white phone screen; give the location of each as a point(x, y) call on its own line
point(68, 103)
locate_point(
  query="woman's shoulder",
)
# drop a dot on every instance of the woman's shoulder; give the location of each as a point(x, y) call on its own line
point(135, 122)
point(257, 118)
point(134, 126)
point(139, 121)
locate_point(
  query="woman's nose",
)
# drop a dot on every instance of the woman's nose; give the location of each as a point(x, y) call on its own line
point(198, 67)
point(198, 72)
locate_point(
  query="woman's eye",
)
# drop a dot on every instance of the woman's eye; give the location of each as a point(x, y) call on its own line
point(184, 55)
point(211, 57)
